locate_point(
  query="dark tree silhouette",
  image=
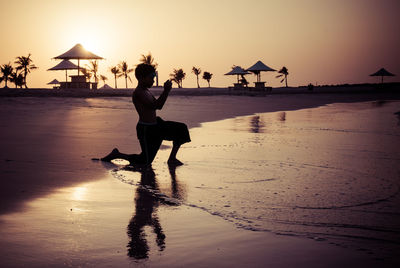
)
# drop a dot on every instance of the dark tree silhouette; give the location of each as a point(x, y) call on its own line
point(197, 72)
point(177, 76)
point(93, 68)
point(17, 79)
point(207, 76)
point(123, 66)
point(283, 73)
point(86, 73)
point(25, 65)
point(149, 59)
point(104, 79)
point(116, 72)
point(6, 70)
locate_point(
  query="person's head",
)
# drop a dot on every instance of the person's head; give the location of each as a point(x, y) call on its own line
point(145, 74)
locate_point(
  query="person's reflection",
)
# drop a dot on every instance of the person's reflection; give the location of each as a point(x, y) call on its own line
point(147, 201)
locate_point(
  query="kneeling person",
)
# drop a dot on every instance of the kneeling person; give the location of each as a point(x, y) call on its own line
point(151, 129)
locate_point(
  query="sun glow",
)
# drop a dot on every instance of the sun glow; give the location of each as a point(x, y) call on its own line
point(90, 42)
point(79, 193)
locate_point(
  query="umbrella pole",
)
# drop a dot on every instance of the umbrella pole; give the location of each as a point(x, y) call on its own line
point(78, 67)
point(66, 76)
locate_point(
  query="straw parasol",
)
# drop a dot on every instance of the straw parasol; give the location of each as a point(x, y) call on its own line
point(237, 70)
point(78, 52)
point(382, 72)
point(64, 65)
point(54, 82)
point(259, 67)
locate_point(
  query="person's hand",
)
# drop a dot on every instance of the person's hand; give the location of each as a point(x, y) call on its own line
point(168, 85)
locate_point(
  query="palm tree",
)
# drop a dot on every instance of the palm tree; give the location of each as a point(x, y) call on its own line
point(149, 59)
point(177, 76)
point(25, 64)
point(207, 76)
point(6, 70)
point(197, 72)
point(283, 72)
point(93, 68)
point(116, 72)
point(17, 79)
point(104, 79)
point(123, 66)
point(86, 73)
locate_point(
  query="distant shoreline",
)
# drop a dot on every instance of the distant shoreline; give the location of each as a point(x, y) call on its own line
point(391, 88)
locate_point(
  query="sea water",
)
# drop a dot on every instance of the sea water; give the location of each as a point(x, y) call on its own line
point(329, 173)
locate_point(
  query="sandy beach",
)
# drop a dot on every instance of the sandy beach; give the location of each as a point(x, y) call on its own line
point(282, 180)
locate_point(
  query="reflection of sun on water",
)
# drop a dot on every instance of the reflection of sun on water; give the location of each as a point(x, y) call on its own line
point(79, 193)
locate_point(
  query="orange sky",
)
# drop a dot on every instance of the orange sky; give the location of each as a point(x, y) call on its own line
point(319, 41)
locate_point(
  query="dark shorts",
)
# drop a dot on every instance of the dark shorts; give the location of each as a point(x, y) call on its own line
point(151, 137)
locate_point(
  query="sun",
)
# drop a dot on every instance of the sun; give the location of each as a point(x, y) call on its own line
point(91, 41)
point(91, 44)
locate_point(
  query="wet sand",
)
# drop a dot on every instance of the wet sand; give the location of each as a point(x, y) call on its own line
point(59, 208)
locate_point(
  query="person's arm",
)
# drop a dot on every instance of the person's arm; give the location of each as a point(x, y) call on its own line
point(164, 95)
point(153, 103)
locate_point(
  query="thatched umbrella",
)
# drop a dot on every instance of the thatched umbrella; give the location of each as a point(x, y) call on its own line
point(78, 52)
point(54, 82)
point(64, 65)
point(237, 70)
point(382, 72)
point(259, 67)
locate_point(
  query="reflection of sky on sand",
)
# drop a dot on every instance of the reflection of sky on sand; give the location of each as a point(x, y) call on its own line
point(326, 173)
point(74, 226)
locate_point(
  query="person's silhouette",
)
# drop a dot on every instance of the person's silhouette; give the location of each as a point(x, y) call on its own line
point(151, 129)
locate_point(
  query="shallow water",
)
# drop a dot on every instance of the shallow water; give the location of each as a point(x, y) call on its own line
point(328, 173)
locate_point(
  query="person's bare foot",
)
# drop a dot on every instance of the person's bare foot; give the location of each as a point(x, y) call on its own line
point(174, 162)
point(113, 155)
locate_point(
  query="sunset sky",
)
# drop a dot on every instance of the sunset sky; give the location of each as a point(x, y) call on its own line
point(319, 41)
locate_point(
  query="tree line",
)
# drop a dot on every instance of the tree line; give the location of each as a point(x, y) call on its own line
point(17, 74)
point(177, 76)
point(24, 65)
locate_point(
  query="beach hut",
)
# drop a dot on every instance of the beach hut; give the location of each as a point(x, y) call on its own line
point(382, 72)
point(238, 71)
point(257, 68)
point(64, 65)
